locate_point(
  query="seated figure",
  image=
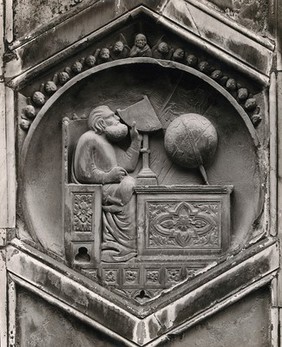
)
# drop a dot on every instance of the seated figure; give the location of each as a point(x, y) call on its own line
point(141, 47)
point(99, 160)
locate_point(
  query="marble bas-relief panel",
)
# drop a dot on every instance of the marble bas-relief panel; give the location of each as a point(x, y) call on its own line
point(142, 180)
point(138, 148)
point(152, 190)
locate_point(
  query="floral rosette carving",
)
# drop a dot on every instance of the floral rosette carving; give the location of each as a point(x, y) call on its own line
point(185, 225)
point(82, 212)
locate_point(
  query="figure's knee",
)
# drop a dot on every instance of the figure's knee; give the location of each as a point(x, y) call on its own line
point(129, 182)
point(109, 191)
point(126, 189)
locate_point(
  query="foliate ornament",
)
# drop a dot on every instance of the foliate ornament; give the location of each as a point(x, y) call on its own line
point(243, 93)
point(82, 212)
point(250, 104)
point(191, 60)
point(142, 48)
point(30, 112)
point(110, 277)
point(178, 55)
point(174, 225)
point(174, 275)
point(222, 81)
point(50, 87)
point(152, 276)
point(27, 117)
point(256, 118)
point(131, 276)
point(162, 50)
point(216, 75)
point(77, 67)
point(38, 98)
point(90, 61)
point(183, 220)
point(231, 85)
point(25, 123)
point(204, 66)
point(63, 77)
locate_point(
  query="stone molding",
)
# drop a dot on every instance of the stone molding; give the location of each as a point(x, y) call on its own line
point(130, 61)
point(48, 278)
point(17, 77)
point(19, 70)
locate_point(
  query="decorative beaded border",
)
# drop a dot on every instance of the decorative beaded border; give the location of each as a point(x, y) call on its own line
point(120, 50)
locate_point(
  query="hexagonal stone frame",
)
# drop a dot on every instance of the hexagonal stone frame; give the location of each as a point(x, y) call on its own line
point(180, 307)
point(218, 288)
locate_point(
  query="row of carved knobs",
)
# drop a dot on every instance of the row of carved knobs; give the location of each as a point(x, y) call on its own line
point(47, 89)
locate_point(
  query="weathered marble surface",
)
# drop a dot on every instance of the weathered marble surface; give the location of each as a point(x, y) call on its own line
point(252, 14)
point(118, 91)
point(246, 323)
point(40, 323)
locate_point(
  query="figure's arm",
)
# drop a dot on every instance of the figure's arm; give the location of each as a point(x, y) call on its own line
point(134, 51)
point(113, 176)
point(85, 169)
point(147, 51)
point(130, 156)
point(96, 176)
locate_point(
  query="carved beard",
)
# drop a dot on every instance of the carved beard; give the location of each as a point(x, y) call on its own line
point(116, 133)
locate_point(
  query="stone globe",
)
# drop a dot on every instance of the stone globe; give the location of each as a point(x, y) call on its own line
point(191, 141)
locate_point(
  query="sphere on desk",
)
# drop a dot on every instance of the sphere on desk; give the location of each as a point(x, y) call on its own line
point(191, 140)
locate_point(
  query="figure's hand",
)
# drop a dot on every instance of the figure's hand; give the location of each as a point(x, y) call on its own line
point(112, 209)
point(134, 134)
point(114, 201)
point(117, 174)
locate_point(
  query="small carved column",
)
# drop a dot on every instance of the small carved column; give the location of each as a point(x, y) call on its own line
point(144, 116)
point(146, 175)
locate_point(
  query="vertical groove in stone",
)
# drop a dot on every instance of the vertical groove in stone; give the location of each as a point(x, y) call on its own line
point(273, 154)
